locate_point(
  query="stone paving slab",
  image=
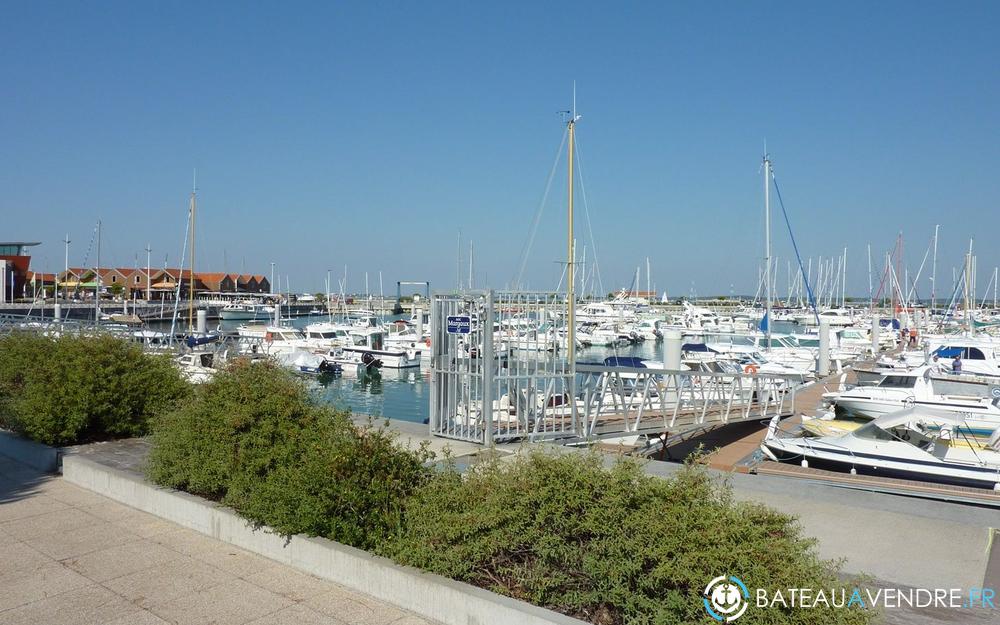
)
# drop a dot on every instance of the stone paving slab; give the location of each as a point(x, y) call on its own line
point(71, 557)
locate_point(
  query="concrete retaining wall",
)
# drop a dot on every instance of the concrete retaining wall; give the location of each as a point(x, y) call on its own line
point(35, 455)
point(426, 594)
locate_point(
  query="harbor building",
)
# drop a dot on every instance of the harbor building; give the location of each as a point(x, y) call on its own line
point(14, 262)
point(135, 283)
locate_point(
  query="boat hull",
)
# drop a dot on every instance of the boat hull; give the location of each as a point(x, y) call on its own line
point(782, 450)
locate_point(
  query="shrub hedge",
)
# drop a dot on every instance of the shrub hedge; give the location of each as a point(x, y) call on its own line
point(609, 546)
point(76, 389)
point(255, 440)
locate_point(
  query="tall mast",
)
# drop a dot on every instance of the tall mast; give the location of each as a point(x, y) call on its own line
point(97, 278)
point(148, 251)
point(570, 274)
point(66, 269)
point(767, 245)
point(871, 294)
point(194, 192)
point(647, 278)
point(968, 289)
point(934, 270)
point(843, 282)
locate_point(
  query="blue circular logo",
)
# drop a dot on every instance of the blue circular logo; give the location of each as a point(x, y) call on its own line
point(726, 598)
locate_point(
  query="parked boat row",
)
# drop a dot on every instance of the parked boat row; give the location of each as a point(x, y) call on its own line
point(929, 412)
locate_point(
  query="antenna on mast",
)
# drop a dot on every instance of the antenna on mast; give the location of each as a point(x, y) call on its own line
point(574, 99)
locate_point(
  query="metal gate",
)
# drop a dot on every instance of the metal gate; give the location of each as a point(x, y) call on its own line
point(498, 367)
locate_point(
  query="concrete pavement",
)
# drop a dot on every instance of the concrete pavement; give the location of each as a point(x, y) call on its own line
point(71, 557)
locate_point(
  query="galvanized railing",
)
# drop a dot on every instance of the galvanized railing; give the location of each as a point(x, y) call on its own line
point(626, 400)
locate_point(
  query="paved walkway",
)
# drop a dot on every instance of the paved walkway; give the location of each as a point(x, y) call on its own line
point(71, 557)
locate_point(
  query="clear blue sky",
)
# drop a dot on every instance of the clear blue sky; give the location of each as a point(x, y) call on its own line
point(370, 133)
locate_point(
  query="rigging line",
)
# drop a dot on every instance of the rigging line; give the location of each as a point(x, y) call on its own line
point(90, 246)
point(987, 291)
point(915, 281)
point(526, 250)
point(180, 279)
point(953, 301)
point(586, 212)
point(795, 245)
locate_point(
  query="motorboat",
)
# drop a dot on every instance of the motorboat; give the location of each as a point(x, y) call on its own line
point(245, 311)
point(408, 337)
point(196, 367)
point(915, 388)
point(648, 330)
point(367, 345)
point(357, 362)
point(325, 335)
point(614, 311)
point(603, 335)
point(914, 443)
point(834, 316)
point(286, 345)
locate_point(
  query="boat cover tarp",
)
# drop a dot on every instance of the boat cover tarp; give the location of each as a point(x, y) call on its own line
point(697, 347)
point(194, 341)
point(624, 361)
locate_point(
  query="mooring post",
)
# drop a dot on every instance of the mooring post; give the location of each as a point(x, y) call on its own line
point(823, 366)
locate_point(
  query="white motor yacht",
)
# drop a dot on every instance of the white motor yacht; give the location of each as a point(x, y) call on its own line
point(246, 311)
point(286, 345)
point(916, 443)
point(196, 367)
point(916, 388)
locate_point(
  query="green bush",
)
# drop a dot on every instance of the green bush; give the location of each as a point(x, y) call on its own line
point(76, 389)
point(254, 440)
point(608, 546)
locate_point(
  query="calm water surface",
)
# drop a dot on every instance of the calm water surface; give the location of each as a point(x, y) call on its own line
point(405, 393)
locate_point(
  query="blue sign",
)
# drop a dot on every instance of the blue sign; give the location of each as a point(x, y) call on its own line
point(459, 324)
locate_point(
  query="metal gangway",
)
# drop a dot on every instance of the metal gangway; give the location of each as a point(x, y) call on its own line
point(499, 373)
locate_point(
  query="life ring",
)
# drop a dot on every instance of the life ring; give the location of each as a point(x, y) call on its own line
point(427, 342)
point(751, 369)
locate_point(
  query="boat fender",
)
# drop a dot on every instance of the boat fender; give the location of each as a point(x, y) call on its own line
point(269, 337)
point(751, 369)
point(427, 342)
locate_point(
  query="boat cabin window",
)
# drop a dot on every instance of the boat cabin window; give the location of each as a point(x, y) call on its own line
point(870, 431)
point(898, 381)
point(968, 353)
